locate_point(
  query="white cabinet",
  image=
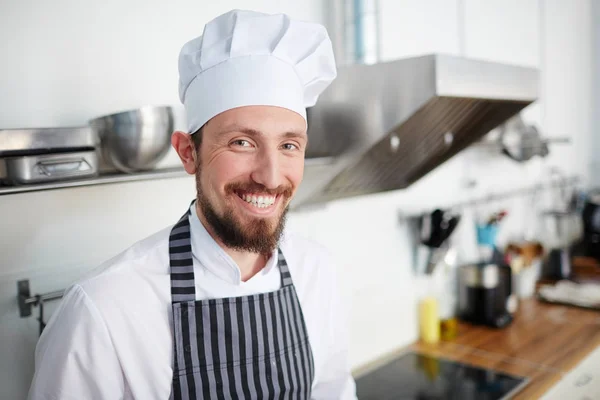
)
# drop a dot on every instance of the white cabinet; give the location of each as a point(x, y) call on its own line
point(568, 78)
point(506, 31)
point(417, 27)
point(496, 30)
point(502, 30)
point(582, 382)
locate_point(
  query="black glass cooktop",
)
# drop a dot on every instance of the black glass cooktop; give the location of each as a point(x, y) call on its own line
point(417, 376)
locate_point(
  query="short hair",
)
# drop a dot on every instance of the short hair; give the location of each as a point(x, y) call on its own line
point(197, 137)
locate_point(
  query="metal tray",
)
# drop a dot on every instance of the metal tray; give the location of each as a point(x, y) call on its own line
point(27, 142)
point(48, 167)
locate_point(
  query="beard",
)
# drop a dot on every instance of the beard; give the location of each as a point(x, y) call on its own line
point(258, 235)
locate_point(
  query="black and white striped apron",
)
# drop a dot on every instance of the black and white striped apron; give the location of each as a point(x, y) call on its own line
point(249, 347)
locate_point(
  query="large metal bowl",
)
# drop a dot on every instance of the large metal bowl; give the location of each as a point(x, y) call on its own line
point(135, 140)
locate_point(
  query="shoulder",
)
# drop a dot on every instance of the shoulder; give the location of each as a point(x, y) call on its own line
point(75, 340)
point(299, 248)
point(310, 262)
point(141, 271)
point(147, 256)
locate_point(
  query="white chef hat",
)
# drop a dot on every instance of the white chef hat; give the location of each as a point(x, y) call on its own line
point(249, 58)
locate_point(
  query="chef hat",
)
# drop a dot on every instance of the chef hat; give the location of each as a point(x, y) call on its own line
point(249, 58)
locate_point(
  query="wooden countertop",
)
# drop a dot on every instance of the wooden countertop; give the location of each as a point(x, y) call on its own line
point(543, 343)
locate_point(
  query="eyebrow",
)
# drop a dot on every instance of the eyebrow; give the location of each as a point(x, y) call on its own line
point(257, 133)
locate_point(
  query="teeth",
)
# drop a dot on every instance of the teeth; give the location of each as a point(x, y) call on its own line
point(259, 201)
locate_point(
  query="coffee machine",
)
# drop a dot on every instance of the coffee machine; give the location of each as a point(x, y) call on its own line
point(486, 294)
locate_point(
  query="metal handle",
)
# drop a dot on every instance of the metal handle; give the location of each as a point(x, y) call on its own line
point(26, 301)
point(583, 380)
point(63, 167)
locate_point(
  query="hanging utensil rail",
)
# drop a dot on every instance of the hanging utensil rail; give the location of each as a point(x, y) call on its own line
point(27, 301)
point(494, 197)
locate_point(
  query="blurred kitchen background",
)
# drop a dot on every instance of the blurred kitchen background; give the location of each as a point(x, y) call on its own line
point(519, 193)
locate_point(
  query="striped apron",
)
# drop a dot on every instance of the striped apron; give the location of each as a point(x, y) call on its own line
point(249, 347)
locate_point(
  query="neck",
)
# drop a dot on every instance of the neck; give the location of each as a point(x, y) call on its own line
point(248, 262)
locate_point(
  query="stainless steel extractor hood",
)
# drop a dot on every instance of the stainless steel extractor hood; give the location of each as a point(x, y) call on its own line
point(383, 126)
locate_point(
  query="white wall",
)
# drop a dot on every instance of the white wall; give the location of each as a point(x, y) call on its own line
point(595, 87)
point(65, 62)
point(62, 63)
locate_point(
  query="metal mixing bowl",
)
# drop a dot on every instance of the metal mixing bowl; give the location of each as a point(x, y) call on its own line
point(135, 140)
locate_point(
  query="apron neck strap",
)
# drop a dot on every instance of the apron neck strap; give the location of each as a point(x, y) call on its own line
point(286, 277)
point(183, 286)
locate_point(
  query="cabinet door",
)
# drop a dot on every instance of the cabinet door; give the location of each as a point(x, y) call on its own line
point(506, 31)
point(417, 27)
point(502, 30)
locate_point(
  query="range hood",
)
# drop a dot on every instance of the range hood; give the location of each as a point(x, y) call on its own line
point(383, 126)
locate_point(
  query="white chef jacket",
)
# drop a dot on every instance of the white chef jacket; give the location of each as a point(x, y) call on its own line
point(111, 337)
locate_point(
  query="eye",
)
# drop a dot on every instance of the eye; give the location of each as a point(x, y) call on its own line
point(290, 146)
point(241, 143)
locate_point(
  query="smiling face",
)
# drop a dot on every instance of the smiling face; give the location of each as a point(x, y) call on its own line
point(248, 167)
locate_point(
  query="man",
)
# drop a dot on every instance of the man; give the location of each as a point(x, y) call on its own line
point(224, 304)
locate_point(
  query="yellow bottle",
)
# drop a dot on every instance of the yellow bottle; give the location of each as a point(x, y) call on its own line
point(429, 320)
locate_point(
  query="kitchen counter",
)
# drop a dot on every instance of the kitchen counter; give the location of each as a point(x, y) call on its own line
point(543, 343)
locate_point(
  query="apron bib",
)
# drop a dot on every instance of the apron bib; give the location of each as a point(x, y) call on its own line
point(248, 347)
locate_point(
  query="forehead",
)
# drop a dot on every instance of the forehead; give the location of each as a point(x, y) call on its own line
point(268, 120)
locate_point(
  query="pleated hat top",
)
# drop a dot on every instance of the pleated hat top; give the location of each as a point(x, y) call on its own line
point(248, 58)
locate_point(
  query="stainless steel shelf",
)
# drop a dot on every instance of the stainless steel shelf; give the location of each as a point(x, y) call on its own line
point(103, 179)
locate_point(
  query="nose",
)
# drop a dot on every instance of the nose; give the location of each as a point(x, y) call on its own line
point(267, 170)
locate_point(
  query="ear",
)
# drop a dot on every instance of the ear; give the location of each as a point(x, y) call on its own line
point(184, 146)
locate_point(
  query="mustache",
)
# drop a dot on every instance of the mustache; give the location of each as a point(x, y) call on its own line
point(253, 187)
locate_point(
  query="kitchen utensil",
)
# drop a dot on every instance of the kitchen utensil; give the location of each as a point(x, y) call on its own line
point(529, 144)
point(558, 264)
point(495, 218)
point(35, 141)
point(441, 226)
point(444, 281)
point(565, 228)
point(430, 227)
point(521, 142)
point(437, 227)
point(413, 224)
point(486, 230)
point(526, 279)
point(486, 235)
point(485, 294)
point(47, 154)
point(48, 167)
point(525, 260)
point(529, 251)
point(135, 140)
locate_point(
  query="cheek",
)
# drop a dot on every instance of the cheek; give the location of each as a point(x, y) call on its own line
point(295, 171)
point(226, 169)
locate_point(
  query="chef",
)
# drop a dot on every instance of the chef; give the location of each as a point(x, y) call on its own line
point(226, 303)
